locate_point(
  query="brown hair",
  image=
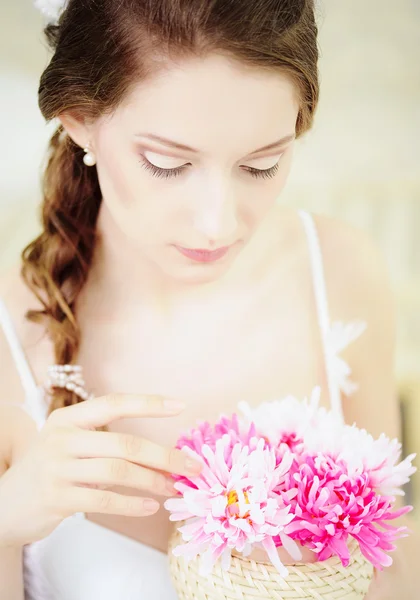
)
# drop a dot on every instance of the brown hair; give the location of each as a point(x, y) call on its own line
point(103, 48)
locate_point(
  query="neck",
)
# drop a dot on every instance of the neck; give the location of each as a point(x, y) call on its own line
point(121, 279)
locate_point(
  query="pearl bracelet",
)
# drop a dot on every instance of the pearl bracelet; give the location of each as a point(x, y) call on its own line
point(68, 377)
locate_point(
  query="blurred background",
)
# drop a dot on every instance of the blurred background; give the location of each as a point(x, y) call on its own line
point(360, 162)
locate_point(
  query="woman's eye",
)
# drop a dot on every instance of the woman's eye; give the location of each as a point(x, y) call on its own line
point(264, 173)
point(158, 171)
point(165, 173)
point(164, 166)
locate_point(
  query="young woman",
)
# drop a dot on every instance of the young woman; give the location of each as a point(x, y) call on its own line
point(168, 270)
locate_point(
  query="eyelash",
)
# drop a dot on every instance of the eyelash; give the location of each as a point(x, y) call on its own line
point(167, 173)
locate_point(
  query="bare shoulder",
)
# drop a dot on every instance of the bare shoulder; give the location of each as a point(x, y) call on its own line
point(15, 424)
point(355, 271)
point(18, 299)
point(359, 288)
point(12, 295)
point(15, 293)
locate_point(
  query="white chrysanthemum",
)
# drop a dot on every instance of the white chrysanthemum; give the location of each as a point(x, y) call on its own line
point(380, 457)
point(232, 505)
point(323, 431)
point(303, 417)
point(361, 452)
point(52, 9)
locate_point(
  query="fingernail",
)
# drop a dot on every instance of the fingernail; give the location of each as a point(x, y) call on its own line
point(151, 505)
point(174, 405)
point(170, 487)
point(193, 466)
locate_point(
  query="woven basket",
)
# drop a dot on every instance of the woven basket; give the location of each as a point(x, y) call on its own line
point(249, 580)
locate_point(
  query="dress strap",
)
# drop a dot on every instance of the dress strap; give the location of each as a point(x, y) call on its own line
point(321, 299)
point(24, 370)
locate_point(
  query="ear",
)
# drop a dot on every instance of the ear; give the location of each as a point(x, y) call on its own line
point(76, 127)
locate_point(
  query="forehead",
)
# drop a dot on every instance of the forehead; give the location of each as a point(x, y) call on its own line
point(204, 102)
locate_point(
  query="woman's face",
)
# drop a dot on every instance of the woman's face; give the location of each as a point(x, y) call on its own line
point(181, 162)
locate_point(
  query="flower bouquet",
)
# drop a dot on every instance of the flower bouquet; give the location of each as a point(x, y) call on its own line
point(278, 481)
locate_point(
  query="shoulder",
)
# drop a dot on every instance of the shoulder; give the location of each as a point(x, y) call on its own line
point(11, 297)
point(356, 273)
point(15, 293)
point(18, 298)
point(359, 288)
point(15, 424)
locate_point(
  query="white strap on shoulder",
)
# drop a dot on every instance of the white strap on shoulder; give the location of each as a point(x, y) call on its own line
point(321, 299)
point(28, 381)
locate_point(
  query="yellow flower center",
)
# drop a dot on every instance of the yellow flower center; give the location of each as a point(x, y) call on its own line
point(232, 497)
point(233, 502)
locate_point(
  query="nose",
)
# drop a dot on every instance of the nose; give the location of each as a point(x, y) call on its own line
point(215, 218)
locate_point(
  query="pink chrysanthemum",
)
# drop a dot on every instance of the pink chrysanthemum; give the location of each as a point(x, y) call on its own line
point(289, 472)
point(207, 435)
point(331, 505)
point(292, 440)
point(232, 503)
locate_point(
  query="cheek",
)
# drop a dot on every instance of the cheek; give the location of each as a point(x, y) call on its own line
point(118, 179)
point(282, 175)
point(129, 195)
point(263, 196)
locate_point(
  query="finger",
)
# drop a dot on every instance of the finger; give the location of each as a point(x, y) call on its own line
point(115, 471)
point(106, 444)
point(87, 500)
point(105, 409)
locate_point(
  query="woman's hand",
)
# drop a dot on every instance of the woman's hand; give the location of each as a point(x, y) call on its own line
point(70, 465)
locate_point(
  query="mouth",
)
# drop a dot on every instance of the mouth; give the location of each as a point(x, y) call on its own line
point(203, 256)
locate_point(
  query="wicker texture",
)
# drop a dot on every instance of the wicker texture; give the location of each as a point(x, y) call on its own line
point(248, 580)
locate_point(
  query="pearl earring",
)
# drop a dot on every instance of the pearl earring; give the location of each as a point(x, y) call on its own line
point(89, 158)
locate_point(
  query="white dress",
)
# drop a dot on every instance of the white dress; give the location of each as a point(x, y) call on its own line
point(81, 560)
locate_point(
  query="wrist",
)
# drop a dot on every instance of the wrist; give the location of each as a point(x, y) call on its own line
point(8, 539)
point(8, 544)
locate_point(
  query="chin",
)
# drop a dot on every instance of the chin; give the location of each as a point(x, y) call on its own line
point(183, 270)
point(200, 274)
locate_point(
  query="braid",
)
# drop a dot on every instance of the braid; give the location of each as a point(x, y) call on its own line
point(56, 264)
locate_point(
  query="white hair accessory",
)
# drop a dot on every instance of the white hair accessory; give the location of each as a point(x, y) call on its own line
point(52, 9)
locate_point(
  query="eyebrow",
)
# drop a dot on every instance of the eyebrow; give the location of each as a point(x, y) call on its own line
point(179, 146)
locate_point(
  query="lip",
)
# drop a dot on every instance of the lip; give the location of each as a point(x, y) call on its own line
point(204, 256)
